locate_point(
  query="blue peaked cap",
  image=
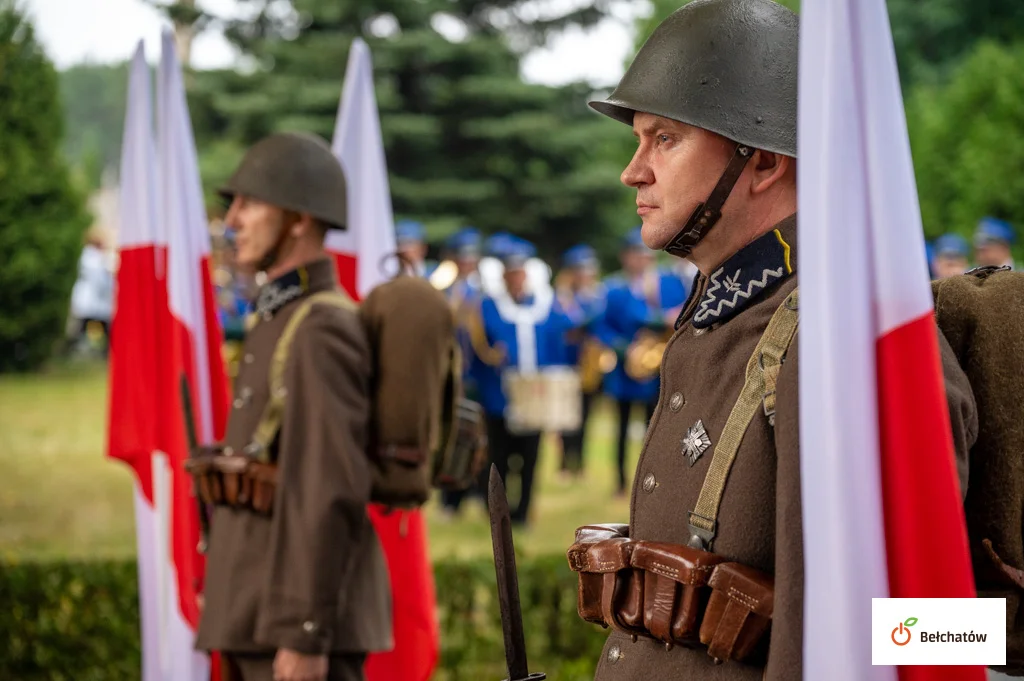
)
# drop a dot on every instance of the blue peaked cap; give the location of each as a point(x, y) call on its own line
point(633, 239)
point(465, 241)
point(409, 230)
point(499, 244)
point(517, 252)
point(951, 244)
point(579, 256)
point(993, 229)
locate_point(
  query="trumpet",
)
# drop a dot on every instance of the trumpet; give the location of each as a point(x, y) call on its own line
point(644, 355)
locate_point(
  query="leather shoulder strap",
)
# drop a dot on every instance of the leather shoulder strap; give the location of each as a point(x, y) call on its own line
point(758, 391)
point(273, 412)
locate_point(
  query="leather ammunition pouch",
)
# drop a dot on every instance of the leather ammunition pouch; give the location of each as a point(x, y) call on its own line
point(685, 594)
point(231, 480)
point(465, 453)
point(675, 594)
point(739, 612)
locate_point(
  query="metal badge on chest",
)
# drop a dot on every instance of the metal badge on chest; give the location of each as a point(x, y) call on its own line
point(696, 442)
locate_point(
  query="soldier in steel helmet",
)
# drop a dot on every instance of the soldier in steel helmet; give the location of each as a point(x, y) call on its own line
point(708, 575)
point(300, 592)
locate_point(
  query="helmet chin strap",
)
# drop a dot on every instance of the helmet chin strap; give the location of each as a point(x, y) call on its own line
point(706, 214)
point(274, 252)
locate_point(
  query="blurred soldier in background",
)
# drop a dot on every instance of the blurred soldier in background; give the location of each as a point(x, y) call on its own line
point(299, 591)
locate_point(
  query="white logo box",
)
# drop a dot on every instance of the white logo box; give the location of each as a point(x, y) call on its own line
point(938, 631)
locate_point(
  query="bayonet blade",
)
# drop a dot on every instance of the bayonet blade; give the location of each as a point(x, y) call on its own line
point(508, 582)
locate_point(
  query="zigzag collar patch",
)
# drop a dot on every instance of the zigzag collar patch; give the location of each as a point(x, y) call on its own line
point(742, 278)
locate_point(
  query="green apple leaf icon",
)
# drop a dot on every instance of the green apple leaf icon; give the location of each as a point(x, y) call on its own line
point(911, 621)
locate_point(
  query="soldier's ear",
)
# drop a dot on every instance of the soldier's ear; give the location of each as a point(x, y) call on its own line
point(769, 170)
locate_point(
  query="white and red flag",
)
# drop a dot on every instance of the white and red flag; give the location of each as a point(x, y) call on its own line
point(139, 334)
point(196, 363)
point(361, 253)
point(882, 512)
point(167, 337)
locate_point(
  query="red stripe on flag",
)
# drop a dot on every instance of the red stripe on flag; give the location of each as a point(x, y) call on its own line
point(346, 266)
point(403, 536)
point(188, 562)
point(137, 338)
point(220, 391)
point(925, 531)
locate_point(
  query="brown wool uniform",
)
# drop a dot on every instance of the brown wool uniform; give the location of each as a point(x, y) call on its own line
point(759, 521)
point(312, 577)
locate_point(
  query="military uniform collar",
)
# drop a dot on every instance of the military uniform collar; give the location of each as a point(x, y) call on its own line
point(744, 277)
point(318, 275)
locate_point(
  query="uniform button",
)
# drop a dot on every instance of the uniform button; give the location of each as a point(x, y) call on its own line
point(309, 627)
point(700, 331)
point(243, 397)
point(614, 654)
point(281, 392)
point(675, 402)
point(249, 358)
point(229, 451)
point(267, 316)
point(650, 482)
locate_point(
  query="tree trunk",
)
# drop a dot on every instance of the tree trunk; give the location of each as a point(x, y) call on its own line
point(183, 36)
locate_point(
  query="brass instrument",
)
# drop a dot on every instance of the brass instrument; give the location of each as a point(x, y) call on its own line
point(596, 360)
point(643, 357)
point(444, 275)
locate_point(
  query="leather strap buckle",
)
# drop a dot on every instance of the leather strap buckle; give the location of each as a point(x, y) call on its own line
point(701, 538)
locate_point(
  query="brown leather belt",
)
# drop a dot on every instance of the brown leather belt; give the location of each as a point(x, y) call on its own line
point(675, 594)
point(232, 480)
point(407, 454)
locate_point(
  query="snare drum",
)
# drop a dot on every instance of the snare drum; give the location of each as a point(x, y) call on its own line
point(549, 400)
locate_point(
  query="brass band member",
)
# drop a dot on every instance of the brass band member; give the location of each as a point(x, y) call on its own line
point(713, 582)
point(517, 330)
point(301, 592)
point(641, 304)
point(581, 296)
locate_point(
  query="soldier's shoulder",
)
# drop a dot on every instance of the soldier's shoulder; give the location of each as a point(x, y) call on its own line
point(335, 314)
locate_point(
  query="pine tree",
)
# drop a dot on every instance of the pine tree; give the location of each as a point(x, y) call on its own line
point(42, 216)
point(467, 141)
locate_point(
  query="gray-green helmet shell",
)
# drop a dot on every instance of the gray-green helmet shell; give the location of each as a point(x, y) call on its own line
point(293, 171)
point(728, 66)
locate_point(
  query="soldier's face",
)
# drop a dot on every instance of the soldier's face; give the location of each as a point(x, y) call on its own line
point(674, 168)
point(257, 226)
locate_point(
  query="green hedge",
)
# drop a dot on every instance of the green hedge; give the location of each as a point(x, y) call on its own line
point(80, 621)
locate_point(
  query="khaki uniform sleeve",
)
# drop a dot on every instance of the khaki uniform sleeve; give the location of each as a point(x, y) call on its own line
point(963, 411)
point(786, 651)
point(323, 482)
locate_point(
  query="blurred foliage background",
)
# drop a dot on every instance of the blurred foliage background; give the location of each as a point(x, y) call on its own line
point(468, 140)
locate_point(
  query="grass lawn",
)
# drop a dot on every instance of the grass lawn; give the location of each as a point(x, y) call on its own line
point(60, 497)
